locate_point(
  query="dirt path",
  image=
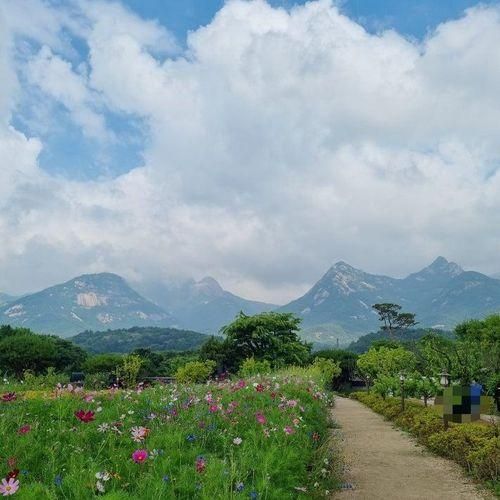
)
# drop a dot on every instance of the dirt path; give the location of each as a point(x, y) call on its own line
point(384, 463)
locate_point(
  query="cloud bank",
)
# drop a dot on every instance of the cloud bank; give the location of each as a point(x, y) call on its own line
point(278, 141)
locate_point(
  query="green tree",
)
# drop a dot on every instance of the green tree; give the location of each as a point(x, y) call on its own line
point(386, 361)
point(195, 372)
point(347, 362)
point(22, 350)
point(485, 335)
point(392, 319)
point(268, 336)
point(103, 363)
point(461, 359)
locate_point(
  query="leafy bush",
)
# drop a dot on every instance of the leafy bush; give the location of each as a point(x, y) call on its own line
point(195, 372)
point(252, 367)
point(327, 369)
point(129, 369)
point(49, 380)
point(476, 446)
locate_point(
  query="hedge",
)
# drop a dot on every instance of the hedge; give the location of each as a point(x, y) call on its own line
point(475, 446)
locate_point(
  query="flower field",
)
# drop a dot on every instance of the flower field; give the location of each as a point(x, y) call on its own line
point(263, 437)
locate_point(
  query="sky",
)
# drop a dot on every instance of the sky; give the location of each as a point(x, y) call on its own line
point(256, 142)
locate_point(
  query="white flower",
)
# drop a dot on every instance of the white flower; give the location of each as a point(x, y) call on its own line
point(139, 433)
point(103, 476)
point(100, 487)
point(103, 427)
point(98, 409)
point(237, 441)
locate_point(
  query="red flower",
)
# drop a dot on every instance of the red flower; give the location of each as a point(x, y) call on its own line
point(24, 429)
point(201, 465)
point(85, 416)
point(12, 474)
point(9, 396)
point(259, 388)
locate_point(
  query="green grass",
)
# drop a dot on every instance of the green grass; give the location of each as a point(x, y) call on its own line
point(60, 456)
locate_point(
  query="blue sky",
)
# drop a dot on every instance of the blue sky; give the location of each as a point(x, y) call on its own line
point(69, 153)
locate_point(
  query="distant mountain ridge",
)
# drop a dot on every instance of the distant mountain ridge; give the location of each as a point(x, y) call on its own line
point(203, 306)
point(5, 298)
point(89, 302)
point(442, 294)
point(337, 307)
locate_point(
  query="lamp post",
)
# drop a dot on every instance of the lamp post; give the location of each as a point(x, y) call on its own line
point(402, 387)
point(445, 379)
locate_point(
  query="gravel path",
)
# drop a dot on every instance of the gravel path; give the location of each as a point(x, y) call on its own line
point(384, 463)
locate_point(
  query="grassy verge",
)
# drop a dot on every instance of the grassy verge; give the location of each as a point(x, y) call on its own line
point(264, 437)
point(475, 446)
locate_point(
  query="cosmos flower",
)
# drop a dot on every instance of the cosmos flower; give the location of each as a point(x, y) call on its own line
point(237, 441)
point(139, 433)
point(9, 487)
point(85, 416)
point(201, 465)
point(7, 398)
point(288, 430)
point(259, 416)
point(140, 456)
point(24, 429)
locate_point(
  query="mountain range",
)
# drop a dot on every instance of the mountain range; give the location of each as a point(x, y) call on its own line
point(203, 306)
point(338, 308)
point(89, 302)
point(441, 295)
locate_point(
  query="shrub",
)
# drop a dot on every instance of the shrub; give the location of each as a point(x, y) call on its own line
point(195, 372)
point(49, 380)
point(475, 446)
point(129, 370)
point(252, 367)
point(327, 369)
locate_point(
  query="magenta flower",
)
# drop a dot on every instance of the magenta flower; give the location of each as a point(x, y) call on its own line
point(24, 429)
point(288, 430)
point(85, 416)
point(140, 456)
point(260, 418)
point(9, 487)
point(213, 408)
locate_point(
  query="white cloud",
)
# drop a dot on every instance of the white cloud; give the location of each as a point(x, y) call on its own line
point(280, 141)
point(57, 79)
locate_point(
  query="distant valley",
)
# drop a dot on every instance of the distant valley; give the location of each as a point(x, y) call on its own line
point(336, 309)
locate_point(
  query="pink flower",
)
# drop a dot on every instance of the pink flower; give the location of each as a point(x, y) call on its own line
point(9, 487)
point(24, 429)
point(260, 418)
point(240, 384)
point(213, 408)
point(292, 403)
point(288, 430)
point(139, 433)
point(140, 456)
